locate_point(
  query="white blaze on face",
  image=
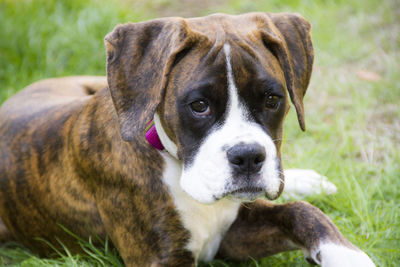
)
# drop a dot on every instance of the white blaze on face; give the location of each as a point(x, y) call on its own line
point(209, 176)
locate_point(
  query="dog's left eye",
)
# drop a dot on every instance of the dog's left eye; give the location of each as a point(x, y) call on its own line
point(200, 108)
point(272, 102)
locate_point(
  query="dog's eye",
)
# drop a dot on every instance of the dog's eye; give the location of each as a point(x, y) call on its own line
point(272, 102)
point(200, 108)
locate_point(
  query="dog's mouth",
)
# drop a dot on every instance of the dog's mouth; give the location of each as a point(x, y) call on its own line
point(248, 193)
point(247, 189)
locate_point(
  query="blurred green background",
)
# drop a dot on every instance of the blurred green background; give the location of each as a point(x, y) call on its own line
point(352, 105)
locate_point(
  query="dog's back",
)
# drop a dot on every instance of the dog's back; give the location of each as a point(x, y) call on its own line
point(27, 113)
point(50, 94)
point(31, 136)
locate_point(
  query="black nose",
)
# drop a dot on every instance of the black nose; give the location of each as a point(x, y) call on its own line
point(246, 158)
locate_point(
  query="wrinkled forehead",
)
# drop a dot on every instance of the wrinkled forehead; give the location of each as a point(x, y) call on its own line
point(217, 26)
point(205, 63)
point(254, 66)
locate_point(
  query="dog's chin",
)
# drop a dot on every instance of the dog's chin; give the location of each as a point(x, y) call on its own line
point(249, 194)
point(245, 194)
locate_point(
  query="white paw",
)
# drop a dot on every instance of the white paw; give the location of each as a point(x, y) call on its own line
point(300, 183)
point(332, 255)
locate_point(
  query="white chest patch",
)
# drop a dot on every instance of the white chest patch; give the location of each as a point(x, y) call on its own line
point(207, 224)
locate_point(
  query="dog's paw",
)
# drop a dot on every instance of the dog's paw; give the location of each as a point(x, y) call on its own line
point(333, 255)
point(300, 183)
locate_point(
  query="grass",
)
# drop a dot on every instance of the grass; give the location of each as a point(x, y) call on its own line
point(353, 119)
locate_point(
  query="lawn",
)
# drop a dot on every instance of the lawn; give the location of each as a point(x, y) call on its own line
point(352, 105)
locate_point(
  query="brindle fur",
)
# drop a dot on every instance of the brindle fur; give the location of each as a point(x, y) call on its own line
point(64, 173)
point(73, 152)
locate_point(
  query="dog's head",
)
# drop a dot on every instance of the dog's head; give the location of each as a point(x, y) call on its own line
point(218, 90)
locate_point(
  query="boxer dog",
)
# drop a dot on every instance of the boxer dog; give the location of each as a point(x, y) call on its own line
point(175, 155)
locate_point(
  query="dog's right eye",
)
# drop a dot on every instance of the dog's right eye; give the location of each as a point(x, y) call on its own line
point(200, 108)
point(272, 102)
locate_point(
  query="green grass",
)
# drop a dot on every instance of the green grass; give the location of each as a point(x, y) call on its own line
point(353, 125)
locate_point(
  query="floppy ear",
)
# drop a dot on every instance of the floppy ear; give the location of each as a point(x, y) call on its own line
point(139, 59)
point(290, 40)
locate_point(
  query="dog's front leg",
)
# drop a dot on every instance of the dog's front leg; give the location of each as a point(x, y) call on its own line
point(263, 228)
point(144, 233)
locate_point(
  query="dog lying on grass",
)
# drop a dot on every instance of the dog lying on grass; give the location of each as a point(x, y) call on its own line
point(170, 156)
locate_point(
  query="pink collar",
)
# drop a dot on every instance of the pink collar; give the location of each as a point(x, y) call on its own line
point(152, 136)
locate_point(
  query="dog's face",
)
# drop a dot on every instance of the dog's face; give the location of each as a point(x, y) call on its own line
point(226, 115)
point(222, 99)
